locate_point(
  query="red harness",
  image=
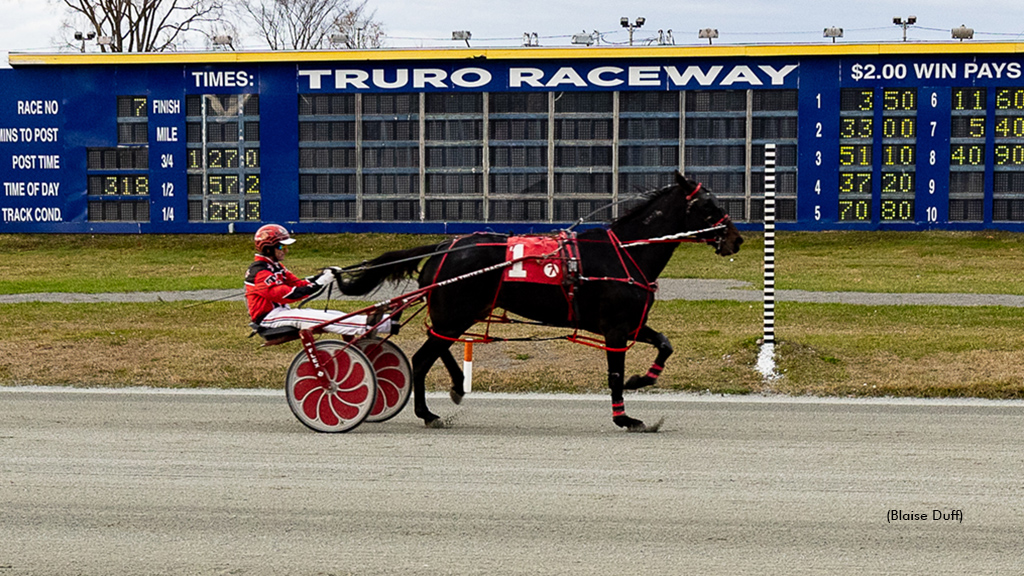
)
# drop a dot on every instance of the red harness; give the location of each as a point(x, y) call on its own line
point(555, 260)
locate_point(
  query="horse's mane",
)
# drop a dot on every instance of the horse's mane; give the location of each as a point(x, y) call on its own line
point(641, 210)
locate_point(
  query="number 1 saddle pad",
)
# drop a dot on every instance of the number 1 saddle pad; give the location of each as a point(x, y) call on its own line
point(537, 260)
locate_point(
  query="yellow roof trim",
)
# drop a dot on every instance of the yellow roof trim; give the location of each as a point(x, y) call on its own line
point(596, 52)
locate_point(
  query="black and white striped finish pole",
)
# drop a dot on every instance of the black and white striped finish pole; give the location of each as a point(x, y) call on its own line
point(766, 359)
point(769, 244)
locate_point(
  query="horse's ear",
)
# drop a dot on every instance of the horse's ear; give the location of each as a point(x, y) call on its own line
point(680, 179)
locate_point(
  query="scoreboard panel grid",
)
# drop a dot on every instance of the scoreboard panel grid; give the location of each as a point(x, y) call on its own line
point(487, 156)
point(867, 137)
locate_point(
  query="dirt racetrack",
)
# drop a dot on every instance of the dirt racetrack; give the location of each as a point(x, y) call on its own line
point(148, 482)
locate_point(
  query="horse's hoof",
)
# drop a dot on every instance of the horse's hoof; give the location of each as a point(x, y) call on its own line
point(431, 420)
point(637, 382)
point(456, 395)
point(634, 425)
point(631, 424)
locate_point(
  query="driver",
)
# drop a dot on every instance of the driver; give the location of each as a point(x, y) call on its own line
point(270, 288)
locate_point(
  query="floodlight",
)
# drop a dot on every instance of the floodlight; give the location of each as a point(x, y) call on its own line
point(462, 35)
point(833, 32)
point(632, 25)
point(105, 40)
point(83, 36)
point(339, 39)
point(963, 33)
point(708, 33)
point(910, 21)
point(583, 38)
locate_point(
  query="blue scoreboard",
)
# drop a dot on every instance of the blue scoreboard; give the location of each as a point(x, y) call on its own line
point(879, 136)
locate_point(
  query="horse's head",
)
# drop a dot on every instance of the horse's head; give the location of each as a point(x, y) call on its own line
point(704, 213)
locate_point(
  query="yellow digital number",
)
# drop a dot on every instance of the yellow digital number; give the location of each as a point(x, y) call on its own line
point(854, 182)
point(1010, 99)
point(854, 210)
point(252, 183)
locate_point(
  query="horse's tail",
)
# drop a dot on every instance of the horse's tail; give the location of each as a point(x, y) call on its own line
point(396, 265)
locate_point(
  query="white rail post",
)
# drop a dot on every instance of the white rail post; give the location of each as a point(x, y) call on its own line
point(467, 367)
point(766, 358)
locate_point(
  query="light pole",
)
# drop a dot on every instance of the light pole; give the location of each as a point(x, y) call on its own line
point(83, 37)
point(910, 21)
point(632, 25)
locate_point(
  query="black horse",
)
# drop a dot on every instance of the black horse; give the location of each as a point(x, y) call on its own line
point(610, 296)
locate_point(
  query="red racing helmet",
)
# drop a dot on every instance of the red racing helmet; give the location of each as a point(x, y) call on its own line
point(272, 235)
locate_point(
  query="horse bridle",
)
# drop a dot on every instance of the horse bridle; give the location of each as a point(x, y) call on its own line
point(724, 220)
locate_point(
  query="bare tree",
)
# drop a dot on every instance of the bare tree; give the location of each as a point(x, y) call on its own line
point(311, 24)
point(145, 25)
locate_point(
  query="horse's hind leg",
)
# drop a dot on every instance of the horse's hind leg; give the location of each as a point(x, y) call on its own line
point(422, 361)
point(455, 372)
point(659, 341)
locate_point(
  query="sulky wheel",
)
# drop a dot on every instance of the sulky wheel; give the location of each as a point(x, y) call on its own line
point(394, 377)
point(347, 398)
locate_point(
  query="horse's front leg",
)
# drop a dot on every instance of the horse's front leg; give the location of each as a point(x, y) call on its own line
point(659, 341)
point(616, 367)
point(422, 361)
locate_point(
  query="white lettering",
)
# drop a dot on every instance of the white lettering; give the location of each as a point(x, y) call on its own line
point(34, 161)
point(14, 188)
point(8, 134)
point(778, 76)
point(566, 75)
point(433, 76)
point(50, 188)
point(47, 214)
point(401, 79)
point(741, 74)
point(596, 76)
point(219, 79)
point(315, 77)
point(23, 162)
point(166, 133)
point(483, 77)
point(517, 77)
point(166, 106)
point(693, 73)
point(357, 78)
point(17, 214)
point(644, 76)
point(44, 134)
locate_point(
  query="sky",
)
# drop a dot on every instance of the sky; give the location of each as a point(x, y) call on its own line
point(34, 25)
